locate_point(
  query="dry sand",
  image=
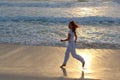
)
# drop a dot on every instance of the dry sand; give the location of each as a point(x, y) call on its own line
point(18, 62)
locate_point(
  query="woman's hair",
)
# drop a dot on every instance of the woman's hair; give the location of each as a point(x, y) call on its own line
point(74, 26)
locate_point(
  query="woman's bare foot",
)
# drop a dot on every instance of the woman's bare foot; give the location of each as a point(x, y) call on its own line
point(83, 64)
point(62, 65)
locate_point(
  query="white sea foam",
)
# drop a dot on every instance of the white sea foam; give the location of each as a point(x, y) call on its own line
point(89, 20)
point(29, 23)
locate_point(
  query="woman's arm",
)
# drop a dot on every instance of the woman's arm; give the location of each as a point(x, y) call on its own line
point(68, 38)
point(75, 37)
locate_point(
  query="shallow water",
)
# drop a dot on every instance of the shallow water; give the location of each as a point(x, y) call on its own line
point(41, 22)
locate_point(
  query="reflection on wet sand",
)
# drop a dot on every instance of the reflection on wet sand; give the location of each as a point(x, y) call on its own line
point(81, 78)
point(100, 65)
point(18, 62)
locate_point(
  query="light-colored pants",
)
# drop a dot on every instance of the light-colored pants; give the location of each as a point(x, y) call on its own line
point(71, 48)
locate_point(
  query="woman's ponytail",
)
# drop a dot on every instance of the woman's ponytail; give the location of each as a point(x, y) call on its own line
point(74, 26)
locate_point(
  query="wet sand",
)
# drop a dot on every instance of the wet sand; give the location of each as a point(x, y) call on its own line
point(18, 62)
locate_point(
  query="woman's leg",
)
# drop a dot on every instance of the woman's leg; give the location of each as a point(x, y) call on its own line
point(78, 57)
point(67, 54)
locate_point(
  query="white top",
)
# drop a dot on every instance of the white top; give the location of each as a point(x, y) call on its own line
point(72, 36)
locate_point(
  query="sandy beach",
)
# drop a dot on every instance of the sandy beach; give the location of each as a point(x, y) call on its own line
point(18, 62)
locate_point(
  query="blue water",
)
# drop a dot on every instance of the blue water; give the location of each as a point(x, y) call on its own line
point(44, 22)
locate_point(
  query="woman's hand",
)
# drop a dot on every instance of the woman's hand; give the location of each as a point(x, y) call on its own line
point(67, 39)
point(61, 40)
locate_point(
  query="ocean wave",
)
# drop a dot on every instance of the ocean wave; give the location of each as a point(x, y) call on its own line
point(38, 4)
point(90, 20)
point(55, 4)
point(117, 1)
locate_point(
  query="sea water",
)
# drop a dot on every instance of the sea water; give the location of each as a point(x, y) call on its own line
point(45, 22)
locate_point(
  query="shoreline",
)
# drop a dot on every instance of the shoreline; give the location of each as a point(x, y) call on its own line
point(78, 46)
point(21, 62)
